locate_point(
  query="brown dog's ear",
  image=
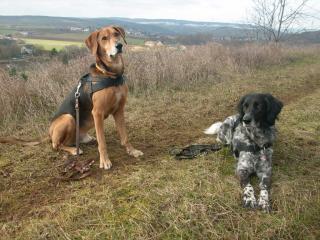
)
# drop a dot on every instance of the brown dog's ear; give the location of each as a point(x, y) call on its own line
point(92, 42)
point(122, 33)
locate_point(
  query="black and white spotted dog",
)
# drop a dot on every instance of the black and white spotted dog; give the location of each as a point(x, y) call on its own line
point(251, 133)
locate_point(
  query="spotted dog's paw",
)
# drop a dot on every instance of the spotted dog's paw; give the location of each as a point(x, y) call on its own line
point(263, 202)
point(249, 201)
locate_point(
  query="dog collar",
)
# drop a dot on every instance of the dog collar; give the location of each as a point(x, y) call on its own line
point(100, 69)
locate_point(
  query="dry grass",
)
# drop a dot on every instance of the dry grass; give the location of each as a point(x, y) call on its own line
point(156, 197)
point(147, 71)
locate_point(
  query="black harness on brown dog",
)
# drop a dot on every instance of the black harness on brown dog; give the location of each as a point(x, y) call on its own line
point(88, 85)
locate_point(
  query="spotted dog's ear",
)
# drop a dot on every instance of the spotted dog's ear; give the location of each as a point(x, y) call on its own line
point(274, 107)
point(240, 106)
point(122, 33)
point(92, 42)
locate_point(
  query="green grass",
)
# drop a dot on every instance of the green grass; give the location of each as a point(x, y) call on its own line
point(50, 44)
point(157, 197)
point(135, 41)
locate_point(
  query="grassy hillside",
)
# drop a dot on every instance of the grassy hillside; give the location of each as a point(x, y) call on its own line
point(174, 96)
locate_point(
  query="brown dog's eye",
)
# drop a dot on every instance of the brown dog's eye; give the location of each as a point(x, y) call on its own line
point(116, 34)
point(104, 38)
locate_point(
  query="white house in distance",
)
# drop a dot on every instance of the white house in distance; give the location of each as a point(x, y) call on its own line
point(26, 50)
point(153, 44)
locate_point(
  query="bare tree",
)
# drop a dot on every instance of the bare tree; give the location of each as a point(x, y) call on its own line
point(275, 18)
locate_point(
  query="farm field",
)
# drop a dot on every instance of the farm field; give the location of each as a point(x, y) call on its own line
point(174, 96)
point(48, 39)
point(50, 44)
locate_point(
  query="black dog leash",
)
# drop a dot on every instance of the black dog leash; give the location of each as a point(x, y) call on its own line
point(194, 150)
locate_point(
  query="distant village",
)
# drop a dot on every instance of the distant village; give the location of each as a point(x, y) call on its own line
point(26, 49)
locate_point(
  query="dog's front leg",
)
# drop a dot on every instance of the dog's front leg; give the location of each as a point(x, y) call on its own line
point(264, 174)
point(98, 117)
point(244, 170)
point(264, 200)
point(121, 128)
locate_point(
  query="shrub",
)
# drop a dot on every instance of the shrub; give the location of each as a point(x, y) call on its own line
point(9, 49)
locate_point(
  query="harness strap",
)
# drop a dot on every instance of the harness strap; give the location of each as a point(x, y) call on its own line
point(98, 83)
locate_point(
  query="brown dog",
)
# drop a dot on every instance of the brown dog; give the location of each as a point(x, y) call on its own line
point(106, 47)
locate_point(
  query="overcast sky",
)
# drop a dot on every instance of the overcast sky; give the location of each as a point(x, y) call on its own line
point(198, 10)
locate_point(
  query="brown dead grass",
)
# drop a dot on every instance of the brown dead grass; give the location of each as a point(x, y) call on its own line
point(35, 99)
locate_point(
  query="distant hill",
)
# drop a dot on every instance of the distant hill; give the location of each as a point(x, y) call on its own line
point(148, 27)
point(305, 37)
point(164, 29)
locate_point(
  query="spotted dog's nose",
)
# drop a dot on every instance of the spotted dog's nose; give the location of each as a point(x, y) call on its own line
point(247, 119)
point(119, 47)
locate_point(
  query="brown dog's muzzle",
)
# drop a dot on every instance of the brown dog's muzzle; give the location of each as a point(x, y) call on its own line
point(119, 47)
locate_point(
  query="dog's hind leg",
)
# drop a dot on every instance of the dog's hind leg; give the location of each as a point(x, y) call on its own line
point(213, 129)
point(224, 130)
point(71, 150)
point(86, 138)
point(62, 133)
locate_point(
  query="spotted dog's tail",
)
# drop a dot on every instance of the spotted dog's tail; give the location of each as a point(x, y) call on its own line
point(213, 129)
point(13, 140)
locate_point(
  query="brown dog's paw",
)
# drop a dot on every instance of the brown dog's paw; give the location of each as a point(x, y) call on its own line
point(87, 139)
point(74, 152)
point(135, 153)
point(105, 164)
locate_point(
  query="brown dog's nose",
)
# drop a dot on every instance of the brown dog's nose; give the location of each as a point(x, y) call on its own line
point(119, 46)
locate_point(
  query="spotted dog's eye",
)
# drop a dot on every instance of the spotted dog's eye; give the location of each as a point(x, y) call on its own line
point(257, 105)
point(246, 105)
point(104, 38)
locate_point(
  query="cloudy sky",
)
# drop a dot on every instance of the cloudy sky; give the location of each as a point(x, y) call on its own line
point(198, 10)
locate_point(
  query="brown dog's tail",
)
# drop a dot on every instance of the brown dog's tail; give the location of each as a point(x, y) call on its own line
point(23, 142)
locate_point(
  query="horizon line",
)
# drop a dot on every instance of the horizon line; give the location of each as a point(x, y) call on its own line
point(134, 18)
